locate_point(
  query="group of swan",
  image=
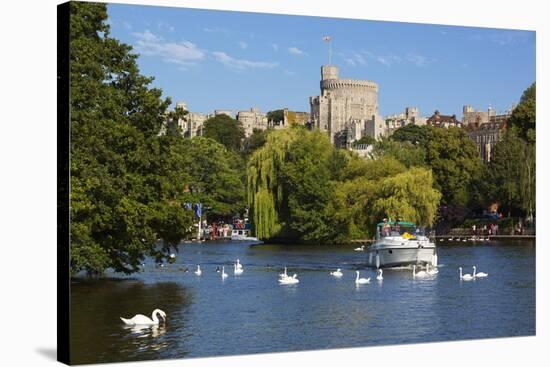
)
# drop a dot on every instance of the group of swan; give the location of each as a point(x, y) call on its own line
point(285, 279)
point(237, 270)
point(459, 239)
point(472, 276)
point(144, 320)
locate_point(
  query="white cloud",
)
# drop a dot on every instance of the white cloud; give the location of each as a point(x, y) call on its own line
point(243, 45)
point(289, 73)
point(182, 53)
point(275, 47)
point(416, 59)
point(241, 63)
point(296, 51)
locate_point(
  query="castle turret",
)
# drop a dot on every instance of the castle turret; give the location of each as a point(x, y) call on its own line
point(329, 72)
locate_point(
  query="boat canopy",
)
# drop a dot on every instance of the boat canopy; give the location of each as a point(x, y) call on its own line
point(391, 223)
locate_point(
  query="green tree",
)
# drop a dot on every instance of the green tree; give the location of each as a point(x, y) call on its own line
point(120, 206)
point(524, 116)
point(276, 116)
point(255, 141)
point(411, 155)
point(367, 140)
point(412, 133)
point(225, 130)
point(455, 163)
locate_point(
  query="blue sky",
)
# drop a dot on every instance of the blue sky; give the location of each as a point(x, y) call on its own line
point(235, 60)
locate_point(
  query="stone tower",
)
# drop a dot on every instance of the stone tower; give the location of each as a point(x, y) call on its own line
point(346, 109)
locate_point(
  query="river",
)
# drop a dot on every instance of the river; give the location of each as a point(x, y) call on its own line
point(252, 313)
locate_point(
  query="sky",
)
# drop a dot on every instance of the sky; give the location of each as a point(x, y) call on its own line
point(236, 60)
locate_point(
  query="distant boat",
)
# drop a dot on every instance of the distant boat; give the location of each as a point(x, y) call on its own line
point(242, 235)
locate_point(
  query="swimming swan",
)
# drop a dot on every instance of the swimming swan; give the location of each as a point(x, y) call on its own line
point(198, 271)
point(237, 270)
point(144, 320)
point(361, 280)
point(239, 266)
point(420, 274)
point(289, 280)
point(224, 275)
point(433, 271)
point(362, 248)
point(338, 273)
point(480, 274)
point(465, 276)
point(379, 276)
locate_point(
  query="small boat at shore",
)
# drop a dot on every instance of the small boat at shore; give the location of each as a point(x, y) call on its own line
point(242, 234)
point(400, 244)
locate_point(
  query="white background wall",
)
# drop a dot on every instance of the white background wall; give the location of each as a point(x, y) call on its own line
point(28, 183)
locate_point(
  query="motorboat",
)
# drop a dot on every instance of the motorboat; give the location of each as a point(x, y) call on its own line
point(401, 244)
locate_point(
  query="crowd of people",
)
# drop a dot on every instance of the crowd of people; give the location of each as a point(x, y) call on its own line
point(221, 229)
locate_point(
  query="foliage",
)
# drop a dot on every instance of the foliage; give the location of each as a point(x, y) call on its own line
point(512, 173)
point(276, 116)
point(409, 154)
point(412, 133)
point(523, 118)
point(365, 140)
point(301, 187)
point(225, 130)
point(255, 141)
point(455, 163)
point(120, 202)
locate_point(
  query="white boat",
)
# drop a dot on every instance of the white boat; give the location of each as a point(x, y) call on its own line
point(400, 244)
point(241, 234)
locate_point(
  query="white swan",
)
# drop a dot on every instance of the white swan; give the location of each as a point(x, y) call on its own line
point(433, 271)
point(198, 271)
point(362, 248)
point(420, 274)
point(239, 265)
point(289, 280)
point(224, 275)
point(338, 273)
point(361, 280)
point(283, 275)
point(465, 276)
point(237, 270)
point(144, 320)
point(480, 274)
point(379, 276)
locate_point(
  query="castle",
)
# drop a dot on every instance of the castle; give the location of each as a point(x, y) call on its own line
point(346, 109)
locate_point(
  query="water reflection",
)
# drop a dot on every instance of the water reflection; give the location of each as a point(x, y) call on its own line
point(98, 335)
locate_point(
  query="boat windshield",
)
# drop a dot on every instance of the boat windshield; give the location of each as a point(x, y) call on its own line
point(396, 229)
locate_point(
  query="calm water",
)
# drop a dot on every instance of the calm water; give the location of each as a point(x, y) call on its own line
point(252, 313)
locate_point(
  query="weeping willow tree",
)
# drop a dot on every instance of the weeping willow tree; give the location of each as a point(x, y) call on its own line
point(264, 182)
point(408, 196)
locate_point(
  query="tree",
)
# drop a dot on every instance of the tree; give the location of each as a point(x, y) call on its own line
point(255, 141)
point(276, 115)
point(412, 133)
point(301, 187)
point(411, 155)
point(120, 205)
point(366, 140)
point(524, 116)
point(511, 173)
point(455, 163)
point(225, 130)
